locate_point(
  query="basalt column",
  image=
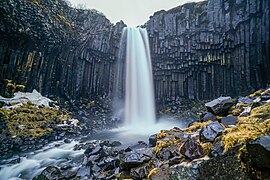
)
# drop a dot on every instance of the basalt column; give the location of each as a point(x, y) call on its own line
point(211, 48)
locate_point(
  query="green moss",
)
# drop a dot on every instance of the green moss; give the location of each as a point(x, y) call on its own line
point(248, 128)
point(30, 121)
point(197, 125)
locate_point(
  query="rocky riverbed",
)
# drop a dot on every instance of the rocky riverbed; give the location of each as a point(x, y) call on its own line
point(230, 140)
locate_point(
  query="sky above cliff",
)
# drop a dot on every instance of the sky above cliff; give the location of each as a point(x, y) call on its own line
point(132, 12)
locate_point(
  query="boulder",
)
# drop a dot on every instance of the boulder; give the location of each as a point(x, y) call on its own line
point(210, 132)
point(175, 160)
point(92, 150)
point(245, 100)
point(220, 105)
point(49, 173)
point(167, 153)
point(229, 120)
point(83, 172)
point(191, 149)
point(259, 151)
point(208, 116)
point(138, 145)
point(226, 166)
point(141, 171)
point(115, 144)
point(135, 157)
point(246, 111)
point(152, 140)
point(217, 149)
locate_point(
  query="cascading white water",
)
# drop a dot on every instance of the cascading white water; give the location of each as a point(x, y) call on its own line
point(139, 91)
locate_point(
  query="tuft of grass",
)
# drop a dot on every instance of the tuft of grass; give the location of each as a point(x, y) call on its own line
point(152, 172)
point(248, 128)
point(162, 144)
point(30, 121)
point(197, 125)
point(206, 147)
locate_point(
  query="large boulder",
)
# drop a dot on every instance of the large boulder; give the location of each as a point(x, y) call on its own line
point(208, 116)
point(152, 140)
point(210, 132)
point(135, 158)
point(220, 105)
point(227, 166)
point(245, 100)
point(259, 150)
point(229, 120)
point(168, 153)
point(191, 149)
point(49, 173)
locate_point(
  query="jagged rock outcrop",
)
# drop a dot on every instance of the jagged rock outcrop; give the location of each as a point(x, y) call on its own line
point(57, 49)
point(211, 48)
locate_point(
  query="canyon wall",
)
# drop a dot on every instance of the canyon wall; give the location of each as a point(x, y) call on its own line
point(199, 50)
point(211, 48)
point(57, 49)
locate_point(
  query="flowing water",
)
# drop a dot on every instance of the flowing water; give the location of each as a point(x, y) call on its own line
point(139, 111)
point(29, 165)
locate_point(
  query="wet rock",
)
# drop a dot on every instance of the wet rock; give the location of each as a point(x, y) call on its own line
point(245, 100)
point(220, 105)
point(259, 150)
point(229, 120)
point(92, 150)
point(83, 172)
point(175, 160)
point(209, 168)
point(115, 144)
point(138, 145)
point(49, 173)
point(208, 116)
point(168, 153)
point(109, 163)
point(217, 149)
point(210, 132)
point(191, 149)
point(135, 157)
point(67, 141)
point(152, 140)
point(187, 170)
point(246, 111)
point(265, 97)
point(141, 171)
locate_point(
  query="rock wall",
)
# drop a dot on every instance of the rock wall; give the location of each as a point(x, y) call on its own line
point(57, 49)
point(199, 50)
point(211, 48)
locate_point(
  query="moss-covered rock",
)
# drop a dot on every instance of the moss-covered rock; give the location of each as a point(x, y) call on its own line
point(31, 121)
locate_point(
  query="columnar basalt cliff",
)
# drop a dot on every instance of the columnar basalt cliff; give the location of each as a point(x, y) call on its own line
point(211, 48)
point(199, 50)
point(57, 49)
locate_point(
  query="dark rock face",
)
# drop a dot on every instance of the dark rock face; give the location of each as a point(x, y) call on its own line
point(229, 120)
point(50, 172)
point(220, 105)
point(208, 116)
point(134, 158)
point(57, 49)
point(210, 132)
point(191, 149)
point(211, 48)
point(259, 151)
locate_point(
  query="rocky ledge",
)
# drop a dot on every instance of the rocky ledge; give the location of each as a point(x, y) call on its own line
point(231, 141)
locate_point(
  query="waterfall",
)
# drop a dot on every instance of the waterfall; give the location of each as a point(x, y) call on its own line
point(139, 91)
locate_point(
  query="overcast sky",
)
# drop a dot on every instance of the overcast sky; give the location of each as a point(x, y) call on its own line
point(132, 12)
